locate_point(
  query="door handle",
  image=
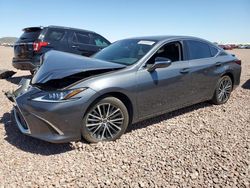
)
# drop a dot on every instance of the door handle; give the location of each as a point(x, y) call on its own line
point(218, 64)
point(74, 46)
point(185, 70)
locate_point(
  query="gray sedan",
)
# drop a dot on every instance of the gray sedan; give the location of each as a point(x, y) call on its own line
point(96, 98)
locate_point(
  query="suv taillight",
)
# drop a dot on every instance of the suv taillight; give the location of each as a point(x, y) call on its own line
point(238, 62)
point(38, 45)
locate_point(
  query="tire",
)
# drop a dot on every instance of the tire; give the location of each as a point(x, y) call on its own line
point(223, 90)
point(106, 120)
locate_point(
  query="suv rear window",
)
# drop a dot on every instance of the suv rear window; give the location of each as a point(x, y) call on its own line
point(30, 35)
point(198, 50)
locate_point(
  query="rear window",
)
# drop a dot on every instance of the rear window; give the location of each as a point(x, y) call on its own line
point(54, 35)
point(30, 35)
point(198, 50)
point(214, 50)
point(99, 41)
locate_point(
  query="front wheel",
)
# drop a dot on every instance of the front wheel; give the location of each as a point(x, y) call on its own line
point(223, 90)
point(107, 120)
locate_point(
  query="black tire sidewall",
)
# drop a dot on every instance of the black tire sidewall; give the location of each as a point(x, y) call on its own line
point(114, 101)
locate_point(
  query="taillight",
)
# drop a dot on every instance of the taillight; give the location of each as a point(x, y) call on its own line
point(238, 62)
point(38, 45)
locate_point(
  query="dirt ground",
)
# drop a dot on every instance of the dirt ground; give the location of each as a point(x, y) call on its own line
point(202, 146)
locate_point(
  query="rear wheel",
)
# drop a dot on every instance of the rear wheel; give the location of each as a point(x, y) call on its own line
point(223, 90)
point(107, 120)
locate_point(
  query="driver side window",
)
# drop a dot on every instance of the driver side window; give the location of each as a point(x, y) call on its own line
point(172, 51)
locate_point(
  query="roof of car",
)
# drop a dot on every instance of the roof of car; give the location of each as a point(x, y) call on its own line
point(70, 28)
point(33, 28)
point(53, 26)
point(166, 37)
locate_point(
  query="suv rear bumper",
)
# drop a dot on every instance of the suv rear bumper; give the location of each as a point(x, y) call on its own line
point(23, 64)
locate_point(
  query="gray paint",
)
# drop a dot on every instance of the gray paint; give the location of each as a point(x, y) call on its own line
point(151, 93)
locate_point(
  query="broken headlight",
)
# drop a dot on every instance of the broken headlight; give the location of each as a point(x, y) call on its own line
point(59, 96)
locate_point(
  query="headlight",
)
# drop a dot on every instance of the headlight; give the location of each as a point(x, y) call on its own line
point(60, 96)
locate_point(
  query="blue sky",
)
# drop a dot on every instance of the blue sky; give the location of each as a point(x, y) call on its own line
point(215, 20)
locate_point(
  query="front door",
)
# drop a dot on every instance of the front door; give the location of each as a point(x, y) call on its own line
point(165, 88)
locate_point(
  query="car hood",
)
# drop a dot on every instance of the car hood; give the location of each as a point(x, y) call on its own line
point(60, 65)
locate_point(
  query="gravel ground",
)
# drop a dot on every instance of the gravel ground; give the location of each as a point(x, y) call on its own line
point(201, 146)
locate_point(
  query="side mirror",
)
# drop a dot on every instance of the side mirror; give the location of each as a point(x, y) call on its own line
point(160, 62)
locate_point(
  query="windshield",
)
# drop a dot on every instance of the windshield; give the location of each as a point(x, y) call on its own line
point(126, 52)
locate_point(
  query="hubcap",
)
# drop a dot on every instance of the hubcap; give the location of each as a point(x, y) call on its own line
point(104, 121)
point(224, 90)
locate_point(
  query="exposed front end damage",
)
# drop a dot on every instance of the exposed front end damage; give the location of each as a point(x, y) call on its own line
point(72, 79)
point(48, 107)
point(22, 88)
point(60, 69)
point(55, 122)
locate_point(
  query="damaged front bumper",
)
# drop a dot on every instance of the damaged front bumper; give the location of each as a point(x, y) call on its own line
point(19, 118)
point(52, 122)
point(22, 88)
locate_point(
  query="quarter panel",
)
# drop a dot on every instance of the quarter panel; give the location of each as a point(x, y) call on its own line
point(204, 76)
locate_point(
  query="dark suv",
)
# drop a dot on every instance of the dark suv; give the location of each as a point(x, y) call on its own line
point(35, 41)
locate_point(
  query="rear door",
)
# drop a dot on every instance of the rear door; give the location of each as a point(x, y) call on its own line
point(80, 43)
point(23, 48)
point(203, 69)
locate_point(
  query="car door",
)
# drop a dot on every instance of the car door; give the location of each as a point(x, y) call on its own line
point(167, 88)
point(79, 43)
point(203, 69)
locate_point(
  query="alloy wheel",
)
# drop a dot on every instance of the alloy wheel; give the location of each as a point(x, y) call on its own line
point(104, 121)
point(224, 89)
